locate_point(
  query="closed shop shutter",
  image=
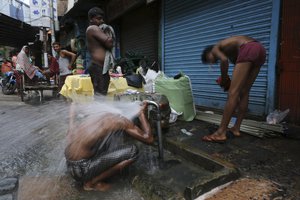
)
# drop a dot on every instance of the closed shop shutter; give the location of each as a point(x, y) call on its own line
point(139, 31)
point(189, 26)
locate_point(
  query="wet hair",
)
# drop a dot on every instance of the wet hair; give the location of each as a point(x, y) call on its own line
point(205, 52)
point(95, 11)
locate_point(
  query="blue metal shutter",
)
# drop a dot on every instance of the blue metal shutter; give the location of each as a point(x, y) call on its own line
point(189, 26)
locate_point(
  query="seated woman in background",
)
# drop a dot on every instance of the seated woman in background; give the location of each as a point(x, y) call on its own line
point(23, 63)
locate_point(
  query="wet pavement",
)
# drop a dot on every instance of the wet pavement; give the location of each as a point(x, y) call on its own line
point(274, 159)
point(32, 142)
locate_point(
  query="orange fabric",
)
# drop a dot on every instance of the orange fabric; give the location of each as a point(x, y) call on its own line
point(6, 67)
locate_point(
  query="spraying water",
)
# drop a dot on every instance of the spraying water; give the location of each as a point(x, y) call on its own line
point(101, 105)
point(32, 143)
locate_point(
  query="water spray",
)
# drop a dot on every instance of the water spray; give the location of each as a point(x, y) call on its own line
point(158, 125)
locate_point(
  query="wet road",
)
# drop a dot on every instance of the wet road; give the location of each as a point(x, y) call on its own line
point(32, 141)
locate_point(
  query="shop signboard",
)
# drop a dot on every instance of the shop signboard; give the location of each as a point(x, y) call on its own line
point(40, 12)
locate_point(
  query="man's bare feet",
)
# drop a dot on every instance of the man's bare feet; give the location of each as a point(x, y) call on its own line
point(101, 186)
point(236, 132)
point(215, 137)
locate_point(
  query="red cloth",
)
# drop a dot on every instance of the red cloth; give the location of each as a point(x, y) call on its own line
point(252, 52)
point(227, 83)
point(54, 67)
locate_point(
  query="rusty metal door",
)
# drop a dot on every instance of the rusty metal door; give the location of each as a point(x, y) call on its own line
point(289, 62)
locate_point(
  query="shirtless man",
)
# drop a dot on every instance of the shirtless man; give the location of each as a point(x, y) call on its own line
point(248, 55)
point(97, 43)
point(95, 150)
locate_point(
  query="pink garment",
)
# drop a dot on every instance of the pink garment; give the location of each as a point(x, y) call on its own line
point(14, 61)
point(24, 63)
point(116, 75)
point(252, 52)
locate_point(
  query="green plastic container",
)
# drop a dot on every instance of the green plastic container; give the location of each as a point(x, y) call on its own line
point(179, 94)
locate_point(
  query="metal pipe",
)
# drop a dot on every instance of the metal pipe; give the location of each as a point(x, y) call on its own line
point(158, 124)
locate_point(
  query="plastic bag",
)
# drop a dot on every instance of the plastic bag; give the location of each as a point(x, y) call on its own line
point(149, 79)
point(135, 80)
point(174, 115)
point(277, 116)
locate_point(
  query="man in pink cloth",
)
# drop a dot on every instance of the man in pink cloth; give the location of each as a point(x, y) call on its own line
point(248, 55)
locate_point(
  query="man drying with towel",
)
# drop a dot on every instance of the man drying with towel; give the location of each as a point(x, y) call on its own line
point(98, 44)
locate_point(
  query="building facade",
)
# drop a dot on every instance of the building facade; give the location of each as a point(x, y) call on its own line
point(176, 32)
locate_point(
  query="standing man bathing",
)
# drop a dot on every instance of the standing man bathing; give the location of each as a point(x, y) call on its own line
point(98, 43)
point(248, 55)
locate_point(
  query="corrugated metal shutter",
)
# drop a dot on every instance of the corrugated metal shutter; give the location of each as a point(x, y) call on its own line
point(189, 26)
point(139, 31)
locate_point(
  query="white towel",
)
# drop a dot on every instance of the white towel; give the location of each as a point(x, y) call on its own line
point(109, 61)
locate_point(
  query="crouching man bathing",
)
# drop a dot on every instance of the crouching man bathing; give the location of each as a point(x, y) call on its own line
point(95, 150)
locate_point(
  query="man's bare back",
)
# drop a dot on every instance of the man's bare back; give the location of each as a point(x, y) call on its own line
point(87, 134)
point(248, 55)
point(230, 46)
point(82, 138)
